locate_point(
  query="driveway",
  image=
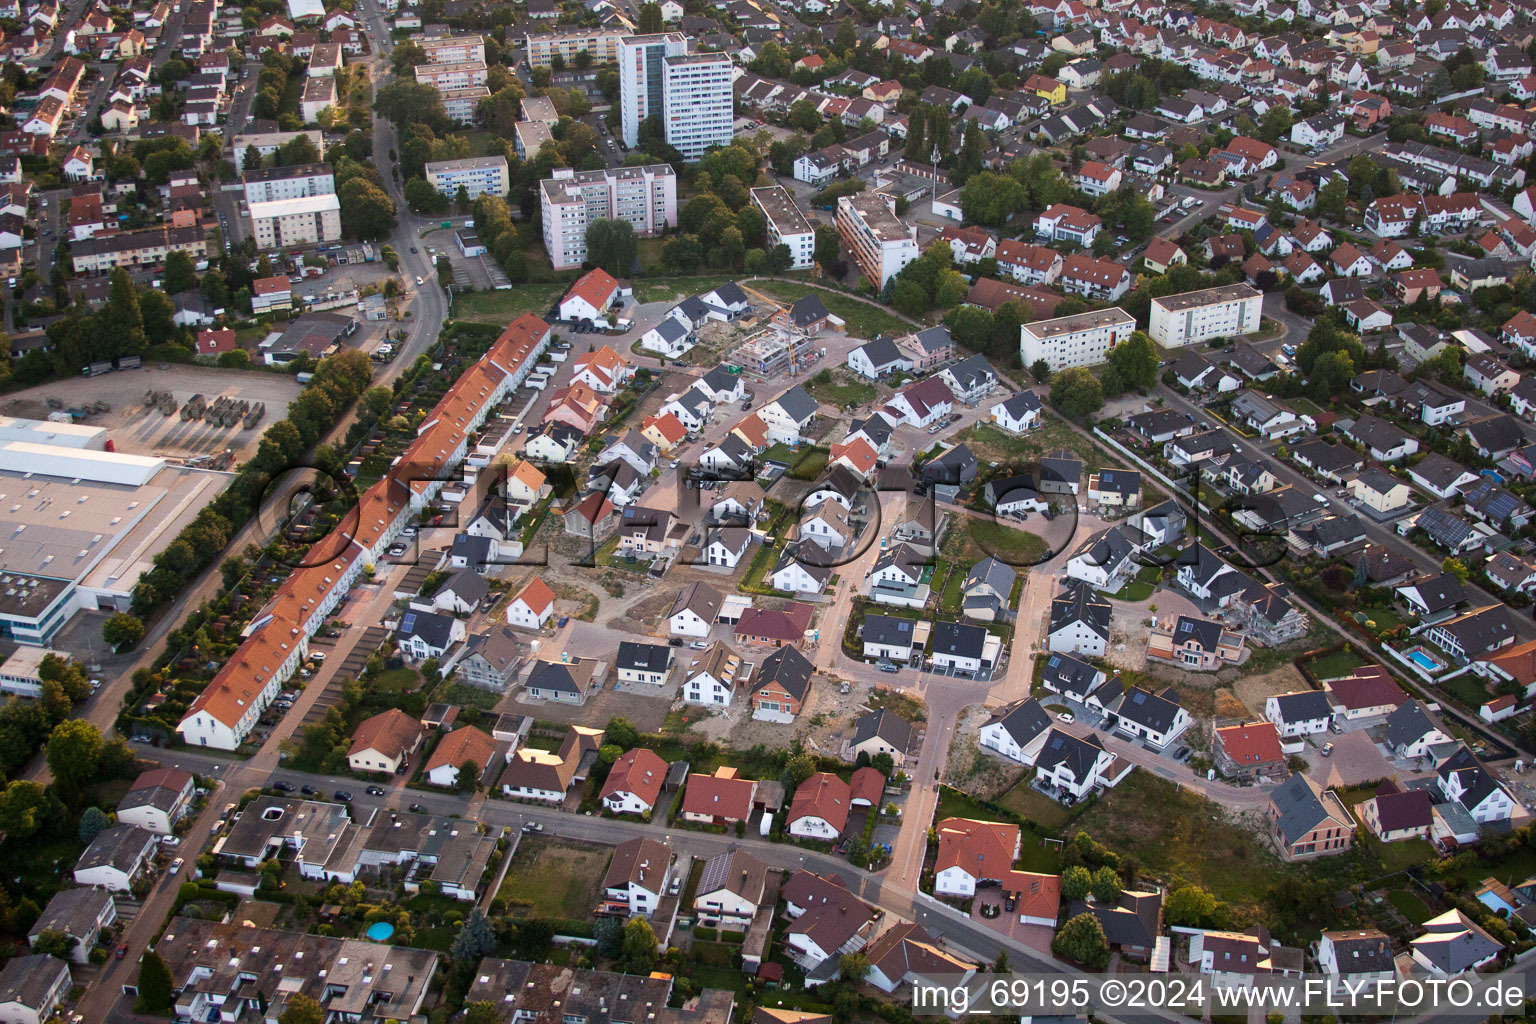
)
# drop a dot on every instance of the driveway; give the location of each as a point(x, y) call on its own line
point(1035, 936)
point(1355, 759)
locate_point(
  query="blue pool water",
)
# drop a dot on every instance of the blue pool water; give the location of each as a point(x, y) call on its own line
point(1423, 660)
point(380, 931)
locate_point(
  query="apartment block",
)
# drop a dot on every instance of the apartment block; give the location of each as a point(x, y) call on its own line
point(1083, 339)
point(460, 75)
point(461, 104)
point(881, 244)
point(1221, 312)
point(476, 175)
point(308, 220)
point(786, 224)
point(274, 183)
point(698, 102)
point(453, 49)
point(640, 78)
point(646, 197)
point(102, 253)
point(601, 43)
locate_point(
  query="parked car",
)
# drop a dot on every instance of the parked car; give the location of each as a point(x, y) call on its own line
point(532, 826)
point(416, 808)
point(122, 951)
point(176, 865)
point(172, 841)
point(317, 656)
point(1327, 750)
point(284, 787)
point(676, 641)
point(375, 791)
point(308, 790)
point(344, 796)
point(1066, 716)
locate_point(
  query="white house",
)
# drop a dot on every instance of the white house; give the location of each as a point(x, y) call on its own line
point(33, 988)
point(1074, 766)
point(727, 546)
point(820, 807)
point(115, 857)
point(1017, 731)
point(634, 782)
point(971, 853)
point(638, 874)
point(533, 606)
point(159, 799)
point(694, 611)
point(1017, 414)
point(710, 680)
point(1302, 713)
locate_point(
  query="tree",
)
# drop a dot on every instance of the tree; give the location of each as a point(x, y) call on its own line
point(91, 824)
point(54, 943)
point(1456, 567)
point(23, 805)
point(155, 992)
point(1190, 906)
point(853, 966)
point(883, 763)
point(638, 954)
point(475, 940)
point(800, 766)
point(611, 244)
point(73, 753)
point(609, 934)
point(124, 315)
point(649, 21)
point(1332, 199)
point(1106, 884)
point(1135, 362)
point(829, 245)
point(1082, 940)
point(1040, 370)
point(366, 209)
point(1076, 883)
point(468, 776)
point(1331, 374)
point(483, 1011)
point(302, 1009)
point(298, 150)
point(622, 733)
point(1077, 393)
point(123, 631)
point(180, 275)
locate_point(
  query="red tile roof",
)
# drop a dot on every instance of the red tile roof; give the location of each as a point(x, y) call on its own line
point(823, 796)
point(638, 771)
point(1257, 743)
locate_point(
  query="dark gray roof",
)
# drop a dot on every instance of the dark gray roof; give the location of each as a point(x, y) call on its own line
point(882, 351)
point(1081, 604)
point(27, 980)
point(553, 675)
point(1438, 470)
point(467, 585)
point(1377, 433)
point(1120, 481)
point(887, 725)
point(1067, 673)
point(1299, 808)
point(990, 571)
point(933, 339)
point(960, 639)
point(720, 379)
point(671, 329)
point(1160, 421)
point(1021, 403)
point(1444, 528)
point(1061, 467)
point(1078, 754)
point(1333, 530)
point(1154, 711)
point(1205, 634)
point(1325, 457)
point(807, 310)
point(120, 846)
point(731, 292)
point(1132, 920)
point(951, 467)
point(1408, 723)
point(797, 403)
point(476, 550)
point(1023, 720)
point(788, 668)
point(973, 372)
point(1482, 630)
point(888, 630)
point(74, 912)
point(820, 573)
point(644, 657)
point(1303, 706)
point(436, 630)
point(1498, 434)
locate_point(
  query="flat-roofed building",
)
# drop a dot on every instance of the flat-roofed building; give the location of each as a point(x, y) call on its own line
point(1083, 339)
point(453, 49)
point(640, 79)
point(267, 143)
point(318, 94)
point(881, 244)
point(477, 175)
point(601, 43)
point(269, 184)
point(645, 196)
point(698, 102)
point(461, 104)
point(459, 75)
point(530, 137)
point(786, 225)
point(306, 220)
point(1221, 312)
point(101, 253)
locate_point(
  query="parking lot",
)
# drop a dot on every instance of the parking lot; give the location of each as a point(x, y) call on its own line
point(138, 429)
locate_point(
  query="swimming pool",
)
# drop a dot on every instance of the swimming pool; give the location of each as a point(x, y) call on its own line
point(1423, 660)
point(380, 931)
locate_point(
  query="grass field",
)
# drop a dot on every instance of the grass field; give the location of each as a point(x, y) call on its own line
point(1469, 690)
point(554, 878)
point(506, 305)
point(840, 387)
point(864, 320)
point(983, 537)
point(1175, 834)
point(1036, 806)
point(1415, 910)
point(1338, 664)
point(673, 289)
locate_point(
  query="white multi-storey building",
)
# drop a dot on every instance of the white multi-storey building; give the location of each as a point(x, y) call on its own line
point(460, 104)
point(698, 102)
point(786, 224)
point(453, 49)
point(274, 183)
point(1221, 312)
point(460, 75)
point(646, 197)
point(881, 244)
point(1083, 339)
point(640, 79)
point(307, 220)
point(477, 175)
point(601, 43)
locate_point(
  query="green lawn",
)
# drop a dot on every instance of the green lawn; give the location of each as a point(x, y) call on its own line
point(1135, 590)
point(1384, 617)
point(990, 444)
point(1034, 854)
point(841, 388)
point(810, 463)
point(396, 680)
point(864, 320)
point(1415, 910)
point(673, 289)
point(1469, 690)
point(1014, 546)
point(506, 305)
point(1036, 806)
point(1340, 663)
point(554, 878)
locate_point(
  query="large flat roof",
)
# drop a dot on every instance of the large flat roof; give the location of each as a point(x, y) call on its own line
point(779, 207)
point(295, 206)
point(1079, 322)
point(1208, 296)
